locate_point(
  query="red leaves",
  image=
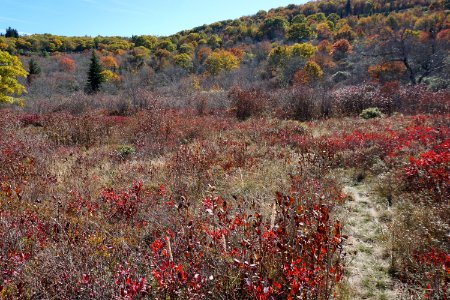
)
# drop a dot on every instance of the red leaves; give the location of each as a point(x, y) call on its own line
point(157, 245)
point(434, 264)
point(78, 204)
point(162, 190)
point(124, 204)
point(85, 279)
point(11, 265)
point(30, 120)
point(128, 286)
point(431, 171)
point(180, 273)
point(301, 252)
point(168, 275)
point(207, 203)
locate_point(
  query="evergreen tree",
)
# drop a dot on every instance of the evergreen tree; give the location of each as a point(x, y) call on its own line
point(34, 70)
point(95, 77)
point(11, 32)
point(348, 8)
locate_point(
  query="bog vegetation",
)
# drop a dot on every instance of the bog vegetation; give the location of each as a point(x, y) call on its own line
point(211, 164)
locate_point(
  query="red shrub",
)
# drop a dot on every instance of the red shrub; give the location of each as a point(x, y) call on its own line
point(431, 170)
point(247, 103)
point(124, 204)
point(435, 265)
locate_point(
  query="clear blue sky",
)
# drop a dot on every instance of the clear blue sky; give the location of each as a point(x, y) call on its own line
point(122, 17)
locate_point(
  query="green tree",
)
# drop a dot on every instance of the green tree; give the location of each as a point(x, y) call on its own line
point(186, 48)
point(317, 17)
point(274, 28)
point(300, 18)
point(333, 18)
point(348, 8)
point(299, 32)
point(167, 45)
point(215, 41)
point(146, 41)
point(34, 70)
point(95, 76)
point(11, 32)
point(183, 60)
point(10, 69)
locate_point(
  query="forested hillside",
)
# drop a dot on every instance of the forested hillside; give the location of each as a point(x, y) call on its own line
point(320, 42)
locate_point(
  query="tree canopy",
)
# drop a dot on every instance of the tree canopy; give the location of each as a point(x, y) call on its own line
point(10, 69)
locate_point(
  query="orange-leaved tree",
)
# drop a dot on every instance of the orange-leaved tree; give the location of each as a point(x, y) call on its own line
point(66, 64)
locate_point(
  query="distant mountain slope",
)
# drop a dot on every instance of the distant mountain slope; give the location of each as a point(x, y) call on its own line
point(273, 24)
point(404, 41)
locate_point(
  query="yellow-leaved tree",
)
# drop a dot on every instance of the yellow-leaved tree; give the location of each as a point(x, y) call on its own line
point(221, 60)
point(10, 69)
point(109, 75)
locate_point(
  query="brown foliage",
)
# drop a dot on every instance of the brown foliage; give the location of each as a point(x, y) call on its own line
point(247, 102)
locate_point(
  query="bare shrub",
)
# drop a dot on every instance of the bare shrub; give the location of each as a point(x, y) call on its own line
point(418, 99)
point(64, 129)
point(201, 103)
point(141, 98)
point(352, 100)
point(301, 103)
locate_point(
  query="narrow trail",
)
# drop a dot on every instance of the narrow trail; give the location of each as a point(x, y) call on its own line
point(369, 260)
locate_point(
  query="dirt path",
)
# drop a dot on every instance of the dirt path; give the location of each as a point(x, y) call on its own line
point(369, 260)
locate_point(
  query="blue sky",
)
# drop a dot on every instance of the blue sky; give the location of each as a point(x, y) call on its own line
point(122, 17)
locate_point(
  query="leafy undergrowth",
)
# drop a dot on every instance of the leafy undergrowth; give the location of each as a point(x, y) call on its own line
point(209, 207)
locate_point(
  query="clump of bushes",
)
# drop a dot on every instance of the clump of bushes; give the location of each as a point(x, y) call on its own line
point(125, 151)
point(371, 113)
point(247, 102)
point(30, 120)
point(436, 83)
point(87, 131)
